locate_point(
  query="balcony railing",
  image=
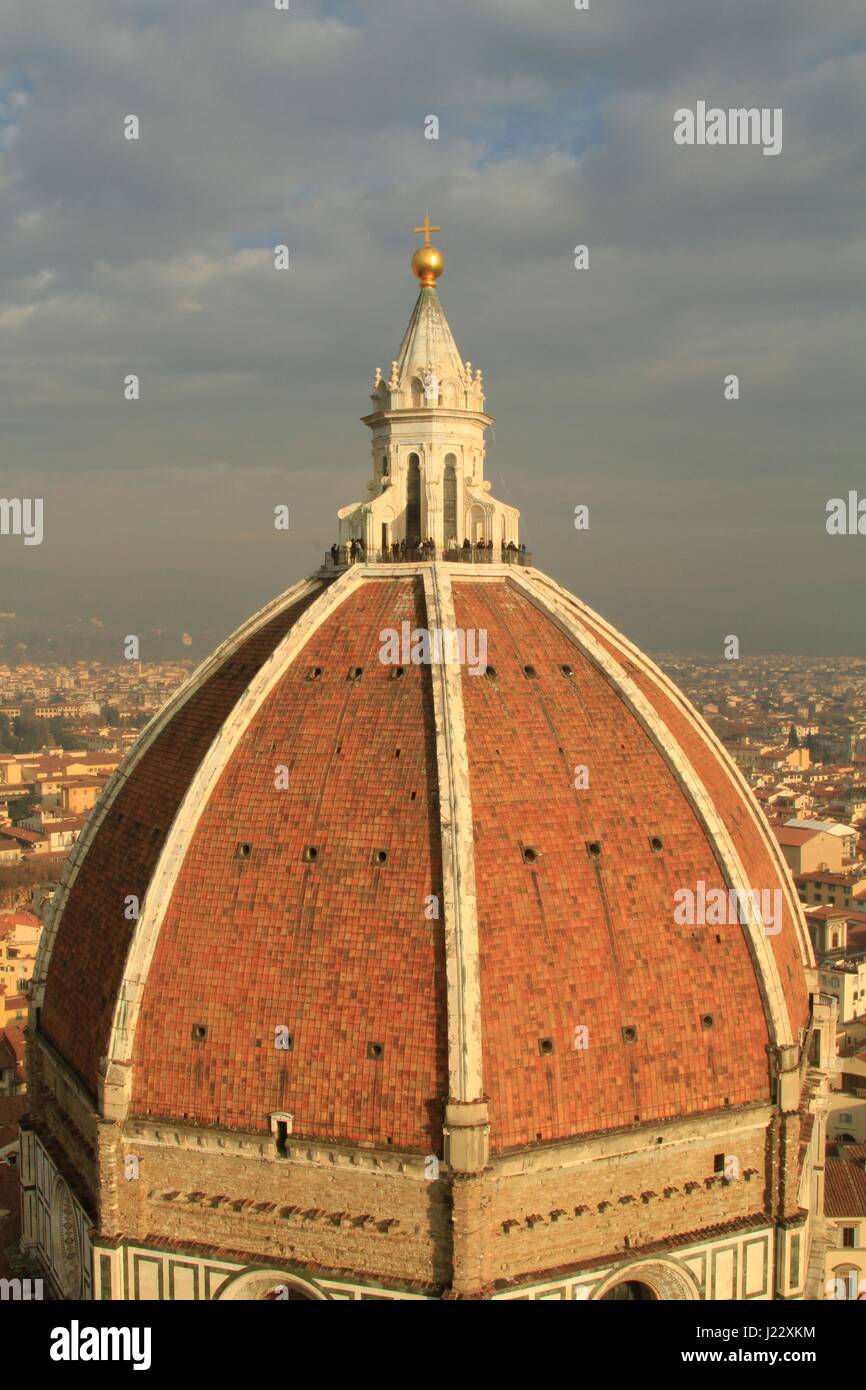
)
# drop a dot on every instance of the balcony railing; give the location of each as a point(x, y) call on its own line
point(342, 556)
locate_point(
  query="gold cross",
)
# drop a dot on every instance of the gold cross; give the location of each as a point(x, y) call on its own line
point(426, 230)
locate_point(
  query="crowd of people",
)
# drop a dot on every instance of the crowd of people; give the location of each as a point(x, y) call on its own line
point(349, 553)
point(354, 551)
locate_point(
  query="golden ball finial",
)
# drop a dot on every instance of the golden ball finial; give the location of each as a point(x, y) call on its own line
point(428, 263)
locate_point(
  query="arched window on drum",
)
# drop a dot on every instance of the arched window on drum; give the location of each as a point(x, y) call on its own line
point(449, 497)
point(413, 500)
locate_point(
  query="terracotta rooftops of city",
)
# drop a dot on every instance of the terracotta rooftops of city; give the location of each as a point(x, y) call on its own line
point(26, 837)
point(13, 918)
point(825, 913)
point(12, 1040)
point(825, 876)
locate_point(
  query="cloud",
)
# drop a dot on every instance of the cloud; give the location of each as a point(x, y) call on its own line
point(258, 127)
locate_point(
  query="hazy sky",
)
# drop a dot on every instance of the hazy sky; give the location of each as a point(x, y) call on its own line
point(707, 516)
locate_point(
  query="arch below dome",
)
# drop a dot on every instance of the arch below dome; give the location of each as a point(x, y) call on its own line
point(630, 1291)
point(261, 1285)
point(664, 1280)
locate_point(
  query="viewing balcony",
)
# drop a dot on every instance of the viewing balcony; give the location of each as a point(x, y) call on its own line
point(414, 555)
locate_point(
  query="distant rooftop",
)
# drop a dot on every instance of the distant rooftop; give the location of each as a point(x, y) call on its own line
point(845, 1183)
point(829, 827)
point(845, 877)
point(787, 836)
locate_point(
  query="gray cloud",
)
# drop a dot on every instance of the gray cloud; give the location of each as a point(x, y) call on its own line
point(556, 128)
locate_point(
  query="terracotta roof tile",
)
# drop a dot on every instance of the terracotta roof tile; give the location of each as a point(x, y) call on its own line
point(844, 1187)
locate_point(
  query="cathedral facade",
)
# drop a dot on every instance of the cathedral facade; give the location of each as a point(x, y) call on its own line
point(365, 979)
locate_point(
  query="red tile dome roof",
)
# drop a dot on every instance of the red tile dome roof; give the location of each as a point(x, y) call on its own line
point(290, 822)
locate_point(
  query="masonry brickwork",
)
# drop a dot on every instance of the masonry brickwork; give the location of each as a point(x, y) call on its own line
point(386, 1225)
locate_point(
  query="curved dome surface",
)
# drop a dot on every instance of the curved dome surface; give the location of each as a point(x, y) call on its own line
point(288, 826)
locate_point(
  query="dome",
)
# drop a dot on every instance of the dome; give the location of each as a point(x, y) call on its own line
point(318, 840)
point(427, 944)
